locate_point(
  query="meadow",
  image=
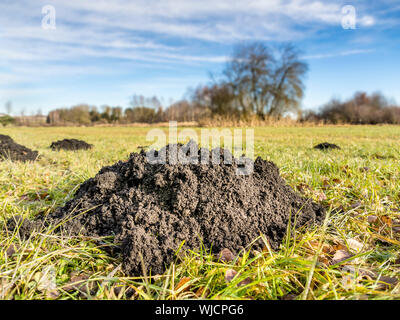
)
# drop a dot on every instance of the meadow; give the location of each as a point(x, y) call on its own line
point(353, 255)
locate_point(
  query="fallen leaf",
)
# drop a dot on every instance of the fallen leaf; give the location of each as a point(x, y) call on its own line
point(302, 187)
point(46, 282)
point(183, 284)
point(355, 245)
point(229, 275)
point(321, 196)
point(338, 246)
point(202, 292)
point(5, 287)
point(245, 282)
point(340, 256)
point(325, 183)
point(386, 220)
point(79, 282)
point(372, 219)
point(337, 181)
point(226, 255)
point(11, 250)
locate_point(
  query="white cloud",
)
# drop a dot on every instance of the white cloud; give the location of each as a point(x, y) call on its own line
point(367, 21)
point(338, 54)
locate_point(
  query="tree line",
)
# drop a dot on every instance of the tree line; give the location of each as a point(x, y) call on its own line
point(362, 108)
point(257, 81)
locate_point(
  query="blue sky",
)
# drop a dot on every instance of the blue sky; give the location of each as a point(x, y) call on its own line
point(104, 51)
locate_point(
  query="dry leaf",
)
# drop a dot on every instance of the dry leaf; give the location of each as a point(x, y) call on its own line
point(229, 275)
point(340, 256)
point(183, 284)
point(245, 282)
point(226, 255)
point(202, 292)
point(355, 245)
point(80, 283)
point(337, 181)
point(46, 282)
point(5, 287)
point(372, 219)
point(11, 250)
point(302, 187)
point(321, 196)
point(386, 220)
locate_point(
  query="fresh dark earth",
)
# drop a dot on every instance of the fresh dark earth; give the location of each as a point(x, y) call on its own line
point(154, 208)
point(70, 144)
point(326, 146)
point(9, 149)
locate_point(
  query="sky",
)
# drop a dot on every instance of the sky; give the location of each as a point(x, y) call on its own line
point(104, 51)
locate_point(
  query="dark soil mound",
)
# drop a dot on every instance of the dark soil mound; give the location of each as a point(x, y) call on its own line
point(70, 144)
point(14, 151)
point(326, 146)
point(152, 208)
point(5, 138)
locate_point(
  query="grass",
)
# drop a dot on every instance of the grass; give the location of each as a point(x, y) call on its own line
point(358, 185)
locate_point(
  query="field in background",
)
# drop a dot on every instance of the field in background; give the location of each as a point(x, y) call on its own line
point(358, 183)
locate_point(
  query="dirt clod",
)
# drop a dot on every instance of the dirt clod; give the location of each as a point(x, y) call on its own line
point(153, 209)
point(9, 149)
point(326, 146)
point(70, 144)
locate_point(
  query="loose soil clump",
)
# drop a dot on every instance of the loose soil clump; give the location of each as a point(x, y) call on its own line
point(70, 144)
point(153, 208)
point(326, 146)
point(14, 151)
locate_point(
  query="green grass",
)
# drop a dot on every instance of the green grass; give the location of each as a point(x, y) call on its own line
point(354, 183)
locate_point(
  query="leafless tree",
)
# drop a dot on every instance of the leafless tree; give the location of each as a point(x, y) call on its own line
point(266, 81)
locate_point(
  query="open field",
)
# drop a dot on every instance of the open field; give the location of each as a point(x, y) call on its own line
point(358, 184)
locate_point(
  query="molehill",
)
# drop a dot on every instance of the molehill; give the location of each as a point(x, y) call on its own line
point(70, 144)
point(153, 207)
point(9, 149)
point(326, 146)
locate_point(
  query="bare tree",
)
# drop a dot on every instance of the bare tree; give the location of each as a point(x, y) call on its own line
point(265, 81)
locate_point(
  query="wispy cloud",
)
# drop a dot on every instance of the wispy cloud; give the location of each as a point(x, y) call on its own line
point(338, 54)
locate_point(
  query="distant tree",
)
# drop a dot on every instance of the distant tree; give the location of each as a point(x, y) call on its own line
point(6, 120)
point(265, 81)
point(141, 114)
point(218, 98)
point(360, 109)
point(116, 114)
